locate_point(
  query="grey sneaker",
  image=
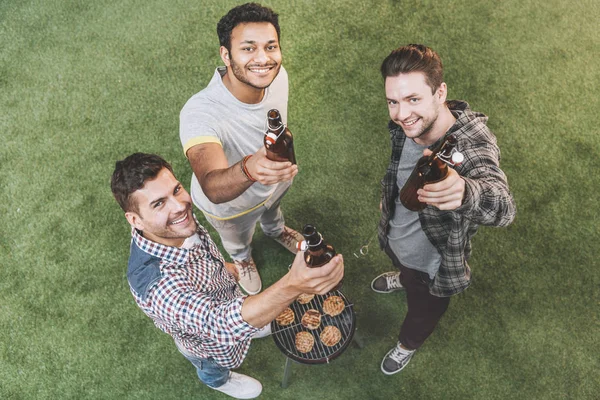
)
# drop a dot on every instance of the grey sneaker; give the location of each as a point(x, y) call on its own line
point(241, 386)
point(387, 282)
point(289, 239)
point(396, 359)
point(249, 279)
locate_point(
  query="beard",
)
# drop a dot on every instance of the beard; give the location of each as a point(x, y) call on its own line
point(240, 74)
point(428, 123)
point(158, 231)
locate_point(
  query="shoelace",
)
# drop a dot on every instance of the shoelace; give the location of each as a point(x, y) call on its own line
point(246, 268)
point(287, 237)
point(399, 354)
point(393, 281)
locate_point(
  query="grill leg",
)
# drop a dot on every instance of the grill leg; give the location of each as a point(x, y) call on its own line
point(286, 372)
point(358, 340)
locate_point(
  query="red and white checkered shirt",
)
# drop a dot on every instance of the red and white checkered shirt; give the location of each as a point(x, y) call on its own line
point(193, 298)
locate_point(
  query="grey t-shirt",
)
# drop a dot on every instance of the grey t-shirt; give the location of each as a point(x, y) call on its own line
point(406, 237)
point(214, 115)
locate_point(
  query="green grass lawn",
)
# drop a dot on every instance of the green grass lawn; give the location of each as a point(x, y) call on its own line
point(84, 83)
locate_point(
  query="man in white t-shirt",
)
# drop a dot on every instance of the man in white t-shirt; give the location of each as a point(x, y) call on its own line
point(222, 129)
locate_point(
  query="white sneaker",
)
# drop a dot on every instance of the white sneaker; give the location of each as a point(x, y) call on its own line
point(240, 386)
point(249, 279)
point(262, 332)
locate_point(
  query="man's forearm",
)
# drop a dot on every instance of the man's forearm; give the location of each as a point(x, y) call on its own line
point(261, 309)
point(223, 185)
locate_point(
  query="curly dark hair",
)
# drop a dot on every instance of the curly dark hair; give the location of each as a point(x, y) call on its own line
point(131, 174)
point(415, 58)
point(249, 12)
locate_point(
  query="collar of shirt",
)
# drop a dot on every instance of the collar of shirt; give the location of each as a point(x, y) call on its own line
point(170, 254)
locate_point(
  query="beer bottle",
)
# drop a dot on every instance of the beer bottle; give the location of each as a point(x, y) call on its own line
point(430, 169)
point(316, 252)
point(278, 140)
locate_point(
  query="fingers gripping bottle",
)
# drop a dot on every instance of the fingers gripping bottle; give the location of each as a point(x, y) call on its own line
point(278, 140)
point(316, 251)
point(430, 169)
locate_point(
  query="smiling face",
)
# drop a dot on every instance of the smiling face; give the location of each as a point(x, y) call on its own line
point(412, 106)
point(254, 60)
point(164, 210)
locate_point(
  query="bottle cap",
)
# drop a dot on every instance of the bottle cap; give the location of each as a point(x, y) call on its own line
point(457, 158)
point(302, 245)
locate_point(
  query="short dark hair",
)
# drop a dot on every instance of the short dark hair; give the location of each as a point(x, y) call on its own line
point(415, 58)
point(249, 12)
point(131, 174)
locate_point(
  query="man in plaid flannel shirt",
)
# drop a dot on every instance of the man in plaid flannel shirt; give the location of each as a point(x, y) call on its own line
point(181, 281)
point(431, 247)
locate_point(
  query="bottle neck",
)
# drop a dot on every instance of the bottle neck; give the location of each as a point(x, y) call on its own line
point(314, 241)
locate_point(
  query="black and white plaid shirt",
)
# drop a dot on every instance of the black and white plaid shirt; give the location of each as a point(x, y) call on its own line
point(487, 199)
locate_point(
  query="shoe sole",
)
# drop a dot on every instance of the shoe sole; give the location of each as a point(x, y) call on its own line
point(248, 292)
point(293, 251)
point(386, 292)
point(248, 395)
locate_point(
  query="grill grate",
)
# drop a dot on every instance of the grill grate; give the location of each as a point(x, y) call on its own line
point(285, 336)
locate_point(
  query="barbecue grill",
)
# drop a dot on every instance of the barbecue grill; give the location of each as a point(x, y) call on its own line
point(285, 336)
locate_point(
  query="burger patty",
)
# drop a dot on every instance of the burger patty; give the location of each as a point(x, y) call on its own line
point(305, 298)
point(304, 341)
point(330, 336)
point(333, 305)
point(286, 317)
point(311, 319)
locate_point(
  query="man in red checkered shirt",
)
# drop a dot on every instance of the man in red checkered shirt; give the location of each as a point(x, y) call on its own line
point(180, 280)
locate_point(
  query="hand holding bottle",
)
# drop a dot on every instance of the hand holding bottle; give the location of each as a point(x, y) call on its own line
point(315, 280)
point(317, 252)
point(432, 168)
point(269, 172)
point(447, 194)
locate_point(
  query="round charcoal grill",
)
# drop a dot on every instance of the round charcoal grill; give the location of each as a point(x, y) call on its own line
point(285, 336)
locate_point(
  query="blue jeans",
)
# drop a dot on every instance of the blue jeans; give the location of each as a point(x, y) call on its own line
point(209, 372)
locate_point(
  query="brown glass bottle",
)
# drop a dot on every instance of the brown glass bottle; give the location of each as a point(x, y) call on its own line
point(317, 253)
point(429, 169)
point(278, 140)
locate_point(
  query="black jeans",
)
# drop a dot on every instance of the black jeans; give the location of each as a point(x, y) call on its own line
point(424, 309)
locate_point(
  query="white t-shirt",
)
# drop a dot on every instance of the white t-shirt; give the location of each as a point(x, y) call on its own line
point(214, 115)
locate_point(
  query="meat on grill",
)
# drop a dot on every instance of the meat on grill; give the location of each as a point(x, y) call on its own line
point(305, 298)
point(286, 317)
point(333, 305)
point(330, 336)
point(311, 319)
point(304, 341)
